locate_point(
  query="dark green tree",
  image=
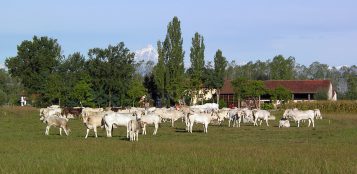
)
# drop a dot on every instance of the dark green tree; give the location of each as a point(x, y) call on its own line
point(159, 71)
point(175, 54)
point(220, 64)
point(35, 61)
point(281, 68)
point(111, 71)
point(197, 62)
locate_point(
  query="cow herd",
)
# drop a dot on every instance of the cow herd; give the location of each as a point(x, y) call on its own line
point(136, 119)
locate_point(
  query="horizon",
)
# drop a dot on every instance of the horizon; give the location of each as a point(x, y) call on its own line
point(323, 31)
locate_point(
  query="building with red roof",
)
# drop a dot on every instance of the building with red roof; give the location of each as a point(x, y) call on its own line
point(302, 90)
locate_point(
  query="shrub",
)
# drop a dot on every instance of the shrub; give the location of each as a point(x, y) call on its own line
point(267, 106)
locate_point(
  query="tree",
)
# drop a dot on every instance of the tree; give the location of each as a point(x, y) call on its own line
point(159, 71)
point(136, 91)
point(72, 70)
point(197, 62)
point(220, 64)
point(280, 93)
point(83, 93)
point(35, 61)
point(10, 88)
point(281, 68)
point(111, 71)
point(239, 85)
point(175, 54)
point(169, 71)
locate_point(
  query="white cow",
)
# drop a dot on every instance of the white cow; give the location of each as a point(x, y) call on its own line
point(134, 127)
point(150, 119)
point(92, 121)
point(202, 118)
point(261, 115)
point(298, 115)
point(117, 119)
point(56, 121)
point(235, 115)
point(318, 114)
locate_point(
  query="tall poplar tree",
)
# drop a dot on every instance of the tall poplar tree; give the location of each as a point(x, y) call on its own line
point(220, 64)
point(197, 62)
point(173, 54)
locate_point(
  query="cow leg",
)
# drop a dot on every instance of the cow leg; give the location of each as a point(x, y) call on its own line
point(156, 126)
point(267, 121)
point(313, 122)
point(95, 132)
point(87, 133)
point(260, 124)
point(66, 131)
point(47, 132)
point(309, 123)
point(298, 123)
point(60, 131)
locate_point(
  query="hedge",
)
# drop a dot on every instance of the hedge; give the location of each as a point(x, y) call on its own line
point(343, 106)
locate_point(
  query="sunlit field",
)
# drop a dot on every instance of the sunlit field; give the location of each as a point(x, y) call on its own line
point(330, 147)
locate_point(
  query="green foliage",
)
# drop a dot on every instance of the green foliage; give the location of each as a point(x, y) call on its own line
point(136, 91)
point(321, 95)
point(220, 64)
point(36, 60)
point(10, 89)
point(267, 106)
point(169, 71)
point(280, 93)
point(83, 94)
point(222, 104)
point(248, 89)
point(197, 61)
point(281, 68)
point(111, 70)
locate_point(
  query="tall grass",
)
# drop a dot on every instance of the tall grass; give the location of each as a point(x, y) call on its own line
point(330, 147)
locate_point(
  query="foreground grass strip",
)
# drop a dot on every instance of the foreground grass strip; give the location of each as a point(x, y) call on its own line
point(330, 147)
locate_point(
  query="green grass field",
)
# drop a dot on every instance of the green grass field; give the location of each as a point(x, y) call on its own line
point(330, 147)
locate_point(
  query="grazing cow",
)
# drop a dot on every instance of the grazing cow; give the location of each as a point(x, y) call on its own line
point(247, 116)
point(235, 115)
point(298, 115)
point(150, 119)
point(202, 118)
point(71, 112)
point(284, 122)
point(261, 115)
point(56, 121)
point(92, 122)
point(318, 114)
point(134, 127)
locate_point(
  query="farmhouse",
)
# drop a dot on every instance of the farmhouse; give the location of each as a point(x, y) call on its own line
point(302, 90)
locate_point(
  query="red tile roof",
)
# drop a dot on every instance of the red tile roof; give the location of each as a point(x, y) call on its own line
point(295, 86)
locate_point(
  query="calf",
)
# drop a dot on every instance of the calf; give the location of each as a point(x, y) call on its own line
point(53, 120)
point(134, 128)
point(284, 122)
point(150, 119)
point(92, 122)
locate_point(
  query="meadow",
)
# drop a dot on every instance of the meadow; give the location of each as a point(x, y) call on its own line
point(330, 147)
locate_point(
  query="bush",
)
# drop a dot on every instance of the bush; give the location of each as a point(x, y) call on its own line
point(267, 106)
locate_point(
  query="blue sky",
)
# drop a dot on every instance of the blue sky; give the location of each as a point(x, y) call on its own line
point(316, 30)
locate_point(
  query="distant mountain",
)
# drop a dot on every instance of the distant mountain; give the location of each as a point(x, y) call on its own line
point(148, 53)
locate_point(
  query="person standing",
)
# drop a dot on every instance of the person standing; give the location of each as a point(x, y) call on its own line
point(23, 101)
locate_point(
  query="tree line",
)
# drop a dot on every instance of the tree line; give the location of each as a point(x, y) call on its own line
point(110, 76)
